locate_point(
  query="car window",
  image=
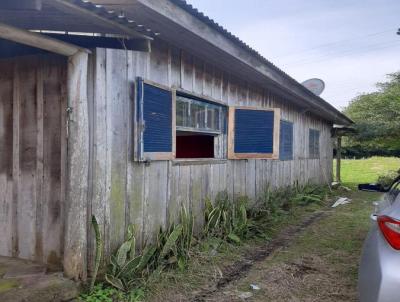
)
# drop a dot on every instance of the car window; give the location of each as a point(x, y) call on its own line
point(394, 192)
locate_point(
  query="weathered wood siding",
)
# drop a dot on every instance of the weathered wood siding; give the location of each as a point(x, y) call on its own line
point(149, 195)
point(32, 106)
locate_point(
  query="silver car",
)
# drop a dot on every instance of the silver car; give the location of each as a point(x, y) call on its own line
point(379, 272)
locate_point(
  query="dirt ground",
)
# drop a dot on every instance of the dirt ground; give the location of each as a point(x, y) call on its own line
point(315, 258)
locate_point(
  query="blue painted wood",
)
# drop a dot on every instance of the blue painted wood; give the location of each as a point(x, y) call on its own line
point(9, 49)
point(156, 112)
point(254, 131)
point(286, 141)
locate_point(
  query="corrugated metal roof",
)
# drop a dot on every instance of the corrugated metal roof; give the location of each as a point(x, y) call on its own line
point(112, 15)
point(213, 24)
point(62, 16)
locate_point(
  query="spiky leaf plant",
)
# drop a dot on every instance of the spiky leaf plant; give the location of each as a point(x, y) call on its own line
point(99, 249)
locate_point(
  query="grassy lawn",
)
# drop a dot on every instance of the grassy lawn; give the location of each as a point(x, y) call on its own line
point(355, 171)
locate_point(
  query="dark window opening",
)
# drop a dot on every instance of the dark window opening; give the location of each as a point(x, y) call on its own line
point(193, 145)
point(199, 128)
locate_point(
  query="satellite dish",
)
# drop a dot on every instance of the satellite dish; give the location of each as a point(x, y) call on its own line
point(316, 86)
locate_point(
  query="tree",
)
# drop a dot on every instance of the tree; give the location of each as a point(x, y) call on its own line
point(377, 117)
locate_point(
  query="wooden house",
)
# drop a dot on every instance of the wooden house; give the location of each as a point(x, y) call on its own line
point(127, 109)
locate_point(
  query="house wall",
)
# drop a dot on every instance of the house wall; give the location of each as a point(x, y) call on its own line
point(149, 195)
point(32, 157)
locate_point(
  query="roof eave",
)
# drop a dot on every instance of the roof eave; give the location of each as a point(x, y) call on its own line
point(300, 90)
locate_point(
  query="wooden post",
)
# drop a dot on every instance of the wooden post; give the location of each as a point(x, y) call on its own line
point(75, 262)
point(338, 157)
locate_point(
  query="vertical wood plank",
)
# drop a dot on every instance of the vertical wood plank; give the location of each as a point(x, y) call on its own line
point(64, 151)
point(198, 76)
point(175, 199)
point(208, 80)
point(215, 185)
point(136, 171)
point(159, 63)
point(251, 178)
point(155, 199)
point(52, 200)
point(6, 158)
point(223, 178)
point(175, 67)
point(186, 71)
point(196, 173)
point(117, 104)
point(39, 165)
point(16, 160)
point(75, 249)
point(26, 202)
point(100, 196)
point(240, 177)
point(217, 85)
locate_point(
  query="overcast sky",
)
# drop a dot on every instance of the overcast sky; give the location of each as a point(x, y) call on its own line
point(350, 44)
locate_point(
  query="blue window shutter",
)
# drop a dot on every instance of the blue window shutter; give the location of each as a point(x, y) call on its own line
point(286, 141)
point(316, 144)
point(313, 143)
point(155, 114)
point(254, 131)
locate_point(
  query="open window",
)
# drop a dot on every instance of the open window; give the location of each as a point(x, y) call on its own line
point(199, 128)
point(177, 125)
point(253, 133)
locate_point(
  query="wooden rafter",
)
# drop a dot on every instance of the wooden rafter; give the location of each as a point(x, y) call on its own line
point(39, 41)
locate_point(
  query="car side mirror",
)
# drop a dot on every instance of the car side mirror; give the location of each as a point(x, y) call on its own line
point(371, 187)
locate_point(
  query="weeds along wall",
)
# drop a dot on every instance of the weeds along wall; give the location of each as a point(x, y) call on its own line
point(149, 195)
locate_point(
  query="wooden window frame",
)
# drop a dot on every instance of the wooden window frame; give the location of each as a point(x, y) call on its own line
point(231, 135)
point(139, 154)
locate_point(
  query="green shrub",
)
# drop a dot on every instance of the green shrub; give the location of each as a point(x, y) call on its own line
point(226, 219)
point(387, 179)
point(102, 293)
point(276, 202)
point(126, 269)
point(174, 244)
point(309, 194)
point(99, 249)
